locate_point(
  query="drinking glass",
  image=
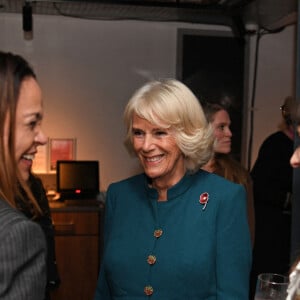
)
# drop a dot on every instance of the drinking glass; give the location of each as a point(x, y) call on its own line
point(271, 286)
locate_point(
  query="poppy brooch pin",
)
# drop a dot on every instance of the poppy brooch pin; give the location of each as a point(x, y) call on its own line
point(204, 199)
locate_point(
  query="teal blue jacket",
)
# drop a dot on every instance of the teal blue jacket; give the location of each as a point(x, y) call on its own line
point(180, 249)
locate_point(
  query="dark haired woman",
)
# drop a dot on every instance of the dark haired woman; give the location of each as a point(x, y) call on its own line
point(272, 177)
point(222, 163)
point(22, 247)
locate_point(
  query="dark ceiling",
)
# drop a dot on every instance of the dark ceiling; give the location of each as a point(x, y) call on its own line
point(241, 15)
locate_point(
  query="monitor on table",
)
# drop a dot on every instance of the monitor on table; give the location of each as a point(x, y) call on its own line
point(77, 179)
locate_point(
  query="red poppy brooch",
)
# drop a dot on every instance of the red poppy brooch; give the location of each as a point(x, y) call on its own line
point(204, 199)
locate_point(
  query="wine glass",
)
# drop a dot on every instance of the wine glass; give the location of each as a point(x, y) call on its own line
point(271, 286)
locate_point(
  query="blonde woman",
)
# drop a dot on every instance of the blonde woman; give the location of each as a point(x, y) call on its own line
point(173, 231)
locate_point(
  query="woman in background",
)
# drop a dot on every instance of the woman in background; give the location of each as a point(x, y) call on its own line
point(222, 163)
point(272, 177)
point(23, 247)
point(294, 276)
point(175, 231)
point(295, 159)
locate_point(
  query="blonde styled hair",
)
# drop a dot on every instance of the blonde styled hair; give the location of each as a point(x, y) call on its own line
point(170, 104)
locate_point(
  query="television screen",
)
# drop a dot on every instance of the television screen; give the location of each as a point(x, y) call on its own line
point(77, 178)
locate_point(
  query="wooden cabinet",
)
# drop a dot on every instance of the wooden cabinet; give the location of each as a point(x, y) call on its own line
point(78, 241)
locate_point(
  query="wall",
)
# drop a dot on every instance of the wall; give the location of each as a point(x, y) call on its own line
point(275, 80)
point(88, 70)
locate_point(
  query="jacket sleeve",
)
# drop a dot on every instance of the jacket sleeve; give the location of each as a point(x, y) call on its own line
point(23, 262)
point(102, 289)
point(233, 246)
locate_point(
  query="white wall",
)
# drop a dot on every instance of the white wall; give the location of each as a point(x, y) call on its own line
point(275, 81)
point(88, 70)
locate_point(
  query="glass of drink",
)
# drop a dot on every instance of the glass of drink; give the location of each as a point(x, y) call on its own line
point(271, 286)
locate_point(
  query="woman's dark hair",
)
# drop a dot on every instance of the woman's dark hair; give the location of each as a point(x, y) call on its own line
point(224, 164)
point(13, 71)
point(210, 109)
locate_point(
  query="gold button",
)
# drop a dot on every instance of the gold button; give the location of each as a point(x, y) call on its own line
point(158, 233)
point(151, 260)
point(148, 290)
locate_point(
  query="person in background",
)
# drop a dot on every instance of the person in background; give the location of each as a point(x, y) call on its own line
point(174, 231)
point(272, 177)
point(295, 159)
point(294, 276)
point(23, 246)
point(222, 163)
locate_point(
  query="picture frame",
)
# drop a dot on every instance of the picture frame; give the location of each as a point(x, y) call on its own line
point(61, 149)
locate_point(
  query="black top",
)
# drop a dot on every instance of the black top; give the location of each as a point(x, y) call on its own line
point(45, 221)
point(272, 174)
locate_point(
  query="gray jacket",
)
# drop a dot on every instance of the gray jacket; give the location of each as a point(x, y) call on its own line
point(22, 256)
